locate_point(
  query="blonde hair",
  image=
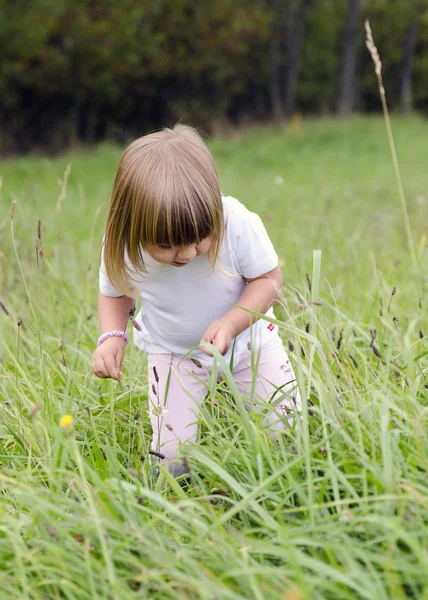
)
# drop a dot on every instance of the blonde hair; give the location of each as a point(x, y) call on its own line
point(166, 191)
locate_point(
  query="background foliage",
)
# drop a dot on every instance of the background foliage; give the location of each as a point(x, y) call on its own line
point(91, 69)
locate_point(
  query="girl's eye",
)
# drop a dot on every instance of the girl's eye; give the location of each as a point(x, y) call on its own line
point(164, 247)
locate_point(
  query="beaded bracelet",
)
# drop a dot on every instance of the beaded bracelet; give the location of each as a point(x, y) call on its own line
point(114, 333)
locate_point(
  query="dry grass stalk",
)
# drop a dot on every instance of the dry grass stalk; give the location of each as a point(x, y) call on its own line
point(63, 192)
point(378, 70)
point(12, 209)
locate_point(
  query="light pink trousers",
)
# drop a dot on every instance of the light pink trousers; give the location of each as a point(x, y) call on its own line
point(178, 386)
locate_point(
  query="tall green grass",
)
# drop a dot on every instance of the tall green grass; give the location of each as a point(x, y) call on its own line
point(336, 509)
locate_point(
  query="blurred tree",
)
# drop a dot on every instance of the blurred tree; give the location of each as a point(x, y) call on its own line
point(420, 67)
point(408, 56)
point(285, 48)
point(347, 90)
point(294, 35)
point(319, 70)
point(275, 61)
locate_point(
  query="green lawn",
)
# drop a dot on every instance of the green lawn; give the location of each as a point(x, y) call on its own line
point(337, 510)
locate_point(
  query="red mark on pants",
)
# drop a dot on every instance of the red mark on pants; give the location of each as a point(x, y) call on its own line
point(271, 326)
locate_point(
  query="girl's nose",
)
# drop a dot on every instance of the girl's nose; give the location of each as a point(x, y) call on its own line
point(187, 253)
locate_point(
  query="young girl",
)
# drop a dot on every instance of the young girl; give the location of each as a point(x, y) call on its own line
point(196, 259)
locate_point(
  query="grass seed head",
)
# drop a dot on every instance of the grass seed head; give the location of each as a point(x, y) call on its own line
point(136, 325)
point(4, 309)
point(353, 360)
point(375, 349)
point(372, 49)
point(339, 341)
point(51, 531)
point(33, 412)
point(157, 454)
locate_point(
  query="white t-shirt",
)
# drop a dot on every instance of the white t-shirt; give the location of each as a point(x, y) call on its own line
point(178, 305)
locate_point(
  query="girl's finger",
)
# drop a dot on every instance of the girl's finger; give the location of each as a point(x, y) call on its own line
point(205, 350)
point(119, 360)
point(220, 342)
point(110, 366)
point(207, 337)
point(210, 334)
point(98, 368)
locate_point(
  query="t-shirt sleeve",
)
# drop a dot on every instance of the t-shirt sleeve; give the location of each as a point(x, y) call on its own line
point(253, 249)
point(106, 287)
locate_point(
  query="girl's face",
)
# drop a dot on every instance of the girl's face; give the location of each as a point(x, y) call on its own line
point(178, 256)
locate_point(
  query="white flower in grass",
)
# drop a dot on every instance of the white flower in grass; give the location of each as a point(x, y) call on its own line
point(157, 411)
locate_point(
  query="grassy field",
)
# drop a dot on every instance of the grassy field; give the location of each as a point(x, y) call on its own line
point(338, 509)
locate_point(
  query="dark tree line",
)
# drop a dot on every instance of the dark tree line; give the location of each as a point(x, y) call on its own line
point(91, 69)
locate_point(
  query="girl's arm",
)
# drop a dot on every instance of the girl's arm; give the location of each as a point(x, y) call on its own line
point(113, 313)
point(258, 296)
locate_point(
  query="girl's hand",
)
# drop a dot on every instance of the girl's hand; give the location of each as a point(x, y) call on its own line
point(107, 358)
point(220, 334)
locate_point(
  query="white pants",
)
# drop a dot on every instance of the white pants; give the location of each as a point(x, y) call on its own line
point(177, 385)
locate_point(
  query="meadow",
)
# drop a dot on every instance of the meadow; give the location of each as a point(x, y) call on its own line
point(338, 508)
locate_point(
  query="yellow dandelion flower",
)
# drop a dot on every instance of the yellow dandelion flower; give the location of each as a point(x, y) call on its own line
point(66, 421)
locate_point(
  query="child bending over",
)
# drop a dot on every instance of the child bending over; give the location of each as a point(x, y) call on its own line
point(194, 257)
